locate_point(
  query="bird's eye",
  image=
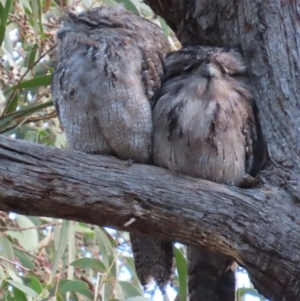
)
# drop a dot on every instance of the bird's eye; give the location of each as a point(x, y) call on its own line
point(189, 67)
point(95, 23)
point(88, 22)
point(240, 73)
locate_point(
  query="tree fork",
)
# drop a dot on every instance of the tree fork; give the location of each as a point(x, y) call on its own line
point(267, 33)
point(259, 227)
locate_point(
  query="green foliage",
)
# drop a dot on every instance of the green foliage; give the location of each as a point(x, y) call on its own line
point(35, 267)
point(4, 11)
point(181, 266)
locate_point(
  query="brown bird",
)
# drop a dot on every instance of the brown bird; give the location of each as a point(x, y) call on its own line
point(110, 66)
point(205, 125)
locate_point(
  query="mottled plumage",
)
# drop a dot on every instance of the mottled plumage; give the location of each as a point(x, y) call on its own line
point(205, 126)
point(110, 65)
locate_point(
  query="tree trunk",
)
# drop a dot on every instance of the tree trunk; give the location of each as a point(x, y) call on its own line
point(267, 33)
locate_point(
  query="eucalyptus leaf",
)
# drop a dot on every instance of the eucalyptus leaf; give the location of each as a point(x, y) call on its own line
point(43, 80)
point(182, 273)
point(19, 295)
point(72, 286)
point(6, 251)
point(61, 246)
point(25, 289)
point(4, 11)
point(130, 290)
point(93, 263)
point(28, 239)
point(130, 6)
point(24, 259)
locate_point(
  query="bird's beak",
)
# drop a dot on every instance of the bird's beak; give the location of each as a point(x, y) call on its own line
point(213, 70)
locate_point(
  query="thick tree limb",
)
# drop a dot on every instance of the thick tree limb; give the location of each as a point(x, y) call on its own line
point(259, 227)
point(250, 224)
point(267, 33)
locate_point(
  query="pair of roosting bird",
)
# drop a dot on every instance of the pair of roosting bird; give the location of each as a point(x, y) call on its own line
point(118, 90)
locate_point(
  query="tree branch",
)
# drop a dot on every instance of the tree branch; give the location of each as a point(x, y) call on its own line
point(259, 227)
point(267, 33)
point(251, 225)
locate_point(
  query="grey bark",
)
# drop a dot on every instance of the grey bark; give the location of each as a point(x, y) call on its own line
point(267, 33)
point(258, 227)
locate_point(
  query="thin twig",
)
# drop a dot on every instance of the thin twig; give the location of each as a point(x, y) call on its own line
point(29, 228)
point(14, 263)
point(29, 69)
point(31, 255)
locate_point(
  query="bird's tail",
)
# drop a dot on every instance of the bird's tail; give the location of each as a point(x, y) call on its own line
point(211, 275)
point(153, 258)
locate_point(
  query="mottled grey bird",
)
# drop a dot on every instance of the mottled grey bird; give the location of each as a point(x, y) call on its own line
point(110, 66)
point(205, 125)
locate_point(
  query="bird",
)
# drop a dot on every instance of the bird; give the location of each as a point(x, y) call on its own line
point(110, 63)
point(206, 126)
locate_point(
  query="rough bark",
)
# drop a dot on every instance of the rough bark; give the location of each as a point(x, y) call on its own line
point(259, 227)
point(254, 226)
point(267, 33)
